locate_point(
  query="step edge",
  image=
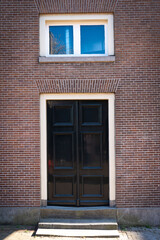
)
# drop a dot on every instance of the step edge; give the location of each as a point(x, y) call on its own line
point(76, 224)
point(80, 220)
point(68, 208)
point(105, 233)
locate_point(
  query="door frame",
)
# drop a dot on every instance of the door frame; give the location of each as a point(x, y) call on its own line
point(43, 137)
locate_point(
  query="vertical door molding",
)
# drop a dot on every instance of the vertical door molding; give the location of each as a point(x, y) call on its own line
point(43, 130)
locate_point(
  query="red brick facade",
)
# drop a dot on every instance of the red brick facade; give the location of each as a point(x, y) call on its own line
point(134, 77)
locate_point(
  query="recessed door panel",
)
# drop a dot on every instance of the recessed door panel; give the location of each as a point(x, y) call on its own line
point(63, 150)
point(92, 186)
point(91, 149)
point(77, 153)
point(91, 114)
point(63, 186)
point(63, 115)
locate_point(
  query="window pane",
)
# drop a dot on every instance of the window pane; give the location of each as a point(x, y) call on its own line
point(92, 39)
point(61, 40)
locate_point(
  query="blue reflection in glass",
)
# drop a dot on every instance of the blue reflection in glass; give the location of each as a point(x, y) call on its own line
point(61, 40)
point(92, 39)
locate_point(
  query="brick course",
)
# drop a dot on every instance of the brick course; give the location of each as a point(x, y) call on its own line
point(77, 86)
point(135, 72)
point(73, 6)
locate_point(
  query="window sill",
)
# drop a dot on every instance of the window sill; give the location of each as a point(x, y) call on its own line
point(77, 59)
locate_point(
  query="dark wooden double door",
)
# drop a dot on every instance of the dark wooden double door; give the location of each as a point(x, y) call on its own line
point(77, 153)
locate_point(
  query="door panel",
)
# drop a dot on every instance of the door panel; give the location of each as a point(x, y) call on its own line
point(77, 152)
point(63, 115)
point(64, 186)
point(91, 114)
point(92, 186)
point(63, 159)
point(91, 155)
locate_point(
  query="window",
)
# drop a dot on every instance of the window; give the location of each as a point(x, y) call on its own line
point(60, 40)
point(92, 39)
point(76, 37)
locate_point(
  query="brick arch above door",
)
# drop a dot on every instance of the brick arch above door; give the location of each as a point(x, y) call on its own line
point(74, 6)
point(77, 86)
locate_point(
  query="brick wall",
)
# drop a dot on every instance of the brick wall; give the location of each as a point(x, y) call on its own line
point(136, 69)
point(20, 150)
point(137, 103)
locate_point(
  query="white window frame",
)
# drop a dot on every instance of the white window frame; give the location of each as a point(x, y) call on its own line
point(76, 20)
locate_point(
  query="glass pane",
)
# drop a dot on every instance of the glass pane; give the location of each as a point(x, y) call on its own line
point(92, 39)
point(61, 40)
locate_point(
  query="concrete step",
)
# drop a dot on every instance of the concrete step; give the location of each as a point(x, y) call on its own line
point(78, 212)
point(96, 224)
point(77, 233)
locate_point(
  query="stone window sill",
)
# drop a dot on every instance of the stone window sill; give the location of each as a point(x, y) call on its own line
point(76, 59)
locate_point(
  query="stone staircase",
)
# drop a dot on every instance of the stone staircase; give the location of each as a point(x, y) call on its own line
point(78, 222)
